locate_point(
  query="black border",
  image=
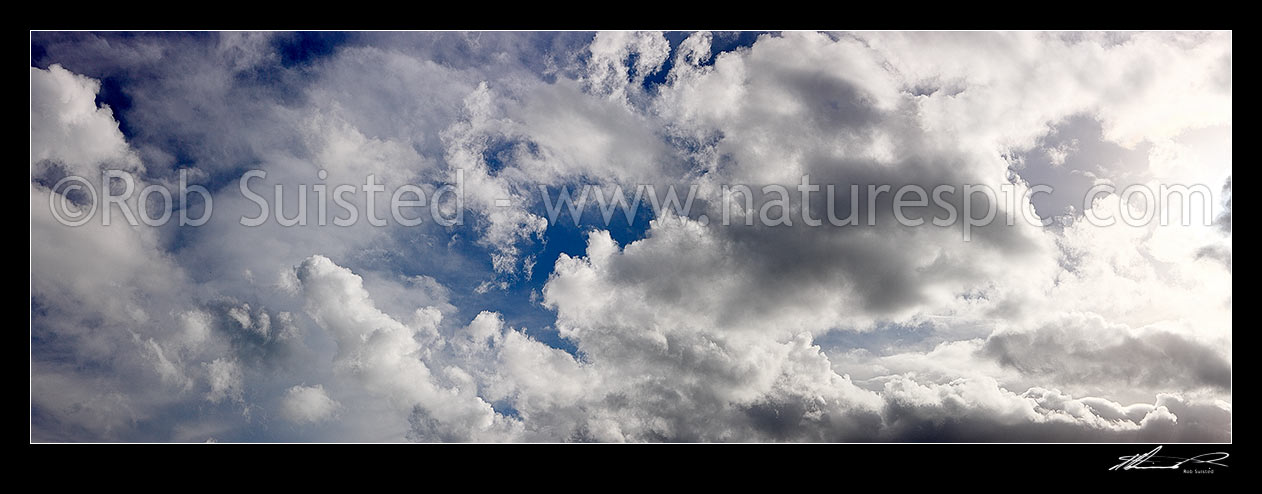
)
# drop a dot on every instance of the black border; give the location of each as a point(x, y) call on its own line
point(843, 466)
point(949, 465)
point(642, 16)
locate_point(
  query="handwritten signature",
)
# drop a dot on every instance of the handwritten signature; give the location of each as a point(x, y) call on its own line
point(1150, 461)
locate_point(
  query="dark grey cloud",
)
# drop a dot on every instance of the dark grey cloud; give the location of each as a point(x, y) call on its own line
point(1155, 360)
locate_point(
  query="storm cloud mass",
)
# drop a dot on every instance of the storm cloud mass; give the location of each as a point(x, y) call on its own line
point(512, 325)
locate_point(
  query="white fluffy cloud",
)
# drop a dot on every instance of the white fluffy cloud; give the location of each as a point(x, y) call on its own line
point(67, 126)
point(308, 404)
point(694, 331)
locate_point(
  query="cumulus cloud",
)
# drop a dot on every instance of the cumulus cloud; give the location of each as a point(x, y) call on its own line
point(504, 328)
point(1082, 350)
point(383, 357)
point(225, 380)
point(67, 126)
point(308, 404)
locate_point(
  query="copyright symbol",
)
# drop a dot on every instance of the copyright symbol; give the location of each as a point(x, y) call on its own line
point(66, 212)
